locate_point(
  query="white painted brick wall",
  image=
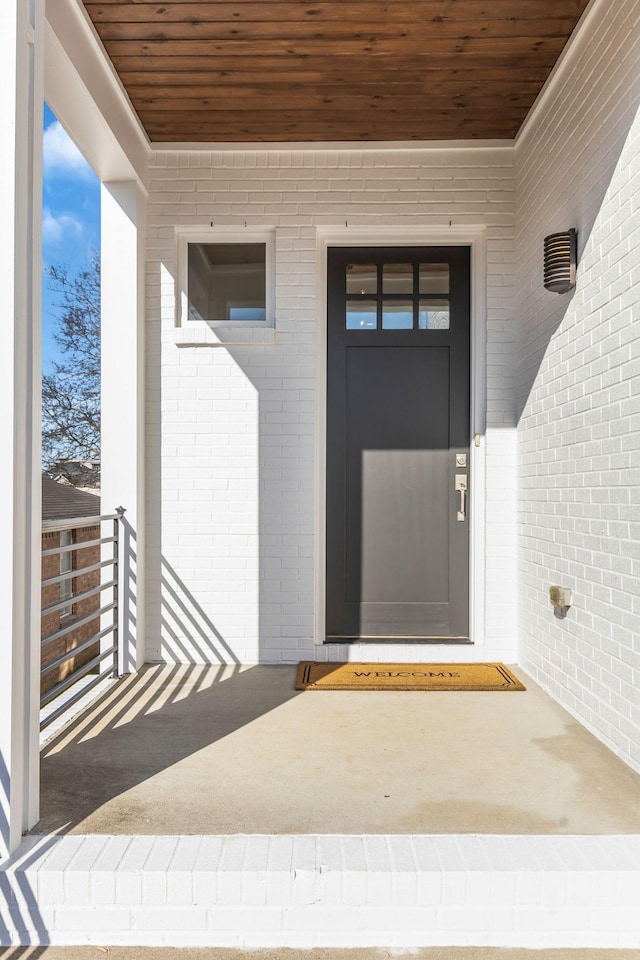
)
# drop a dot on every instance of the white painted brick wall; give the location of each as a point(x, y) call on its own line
point(231, 430)
point(579, 374)
point(340, 891)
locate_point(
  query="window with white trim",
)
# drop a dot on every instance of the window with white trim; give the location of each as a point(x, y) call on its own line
point(66, 566)
point(226, 281)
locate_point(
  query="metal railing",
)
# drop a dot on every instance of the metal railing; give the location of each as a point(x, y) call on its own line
point(112, 652)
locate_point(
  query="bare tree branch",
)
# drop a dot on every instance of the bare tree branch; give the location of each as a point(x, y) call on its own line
point(71, 393)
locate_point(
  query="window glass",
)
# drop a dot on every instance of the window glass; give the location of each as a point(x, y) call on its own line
point(66, 566)
point(227, 281)
point(361, 314)
point(397, 314)
point(433, 314)
point(434, 278)
point(397, 278)
point(362, 278)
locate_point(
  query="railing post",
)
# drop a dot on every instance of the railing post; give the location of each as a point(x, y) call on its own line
point(116, 574)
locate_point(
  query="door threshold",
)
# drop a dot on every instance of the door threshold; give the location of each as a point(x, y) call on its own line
point(371, 639)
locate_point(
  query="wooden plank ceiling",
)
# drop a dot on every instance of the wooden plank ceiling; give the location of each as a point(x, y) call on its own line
point(294, 70)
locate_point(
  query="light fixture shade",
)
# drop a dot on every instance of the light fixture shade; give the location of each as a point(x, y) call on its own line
point(560, 256)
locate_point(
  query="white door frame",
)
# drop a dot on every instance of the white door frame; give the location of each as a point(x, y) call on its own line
point(473, 237)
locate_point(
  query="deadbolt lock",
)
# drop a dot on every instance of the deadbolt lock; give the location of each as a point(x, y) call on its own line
point(461, 459)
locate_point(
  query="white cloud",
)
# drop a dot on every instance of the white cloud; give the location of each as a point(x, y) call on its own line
point(55, 229)
point(60, 154)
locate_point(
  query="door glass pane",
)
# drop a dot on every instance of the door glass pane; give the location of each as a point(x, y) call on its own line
point(434, 278)
point(397, 278)
point(397, 314)
point(361, 314)
point(433, 314)
point(362, 278)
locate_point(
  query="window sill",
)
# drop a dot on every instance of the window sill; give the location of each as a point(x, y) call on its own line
point(223, 336)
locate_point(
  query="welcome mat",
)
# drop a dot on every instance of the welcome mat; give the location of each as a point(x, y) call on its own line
point(405, 676)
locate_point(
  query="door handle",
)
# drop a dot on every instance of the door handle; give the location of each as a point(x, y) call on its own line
point(461, 487)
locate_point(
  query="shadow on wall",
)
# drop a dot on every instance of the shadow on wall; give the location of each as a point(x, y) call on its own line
point(229, 555)
point(186, 627)
point(583, 207)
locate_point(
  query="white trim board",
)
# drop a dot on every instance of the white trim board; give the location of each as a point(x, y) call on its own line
point(223, 332)
point(475, 238)
point(339, 146)
point(587, 25)
point(86, 94)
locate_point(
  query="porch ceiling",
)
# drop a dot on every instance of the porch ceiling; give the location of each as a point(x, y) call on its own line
point(294, 70)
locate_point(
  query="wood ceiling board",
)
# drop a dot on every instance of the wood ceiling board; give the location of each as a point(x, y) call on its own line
point(218, 118)
point(369, 69)
point(249, 98)
point(503, 68)
point(360, 11)
point(409, 47)
point(233, 88)
point(283, 132)
point(424, 80)
point(372, 32)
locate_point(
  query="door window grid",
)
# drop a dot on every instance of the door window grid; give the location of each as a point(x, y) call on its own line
point(427, 284)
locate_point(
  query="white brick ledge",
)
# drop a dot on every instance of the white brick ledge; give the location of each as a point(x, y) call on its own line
point(192, 335)
point(304, 891)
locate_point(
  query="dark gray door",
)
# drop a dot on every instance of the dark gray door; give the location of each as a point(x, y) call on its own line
point(398, 431)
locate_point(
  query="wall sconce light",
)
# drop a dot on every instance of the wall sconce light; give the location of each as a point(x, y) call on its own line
point(560, 258)
point(560, 598)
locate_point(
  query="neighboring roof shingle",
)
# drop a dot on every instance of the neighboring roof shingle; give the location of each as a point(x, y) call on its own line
point(62, 502)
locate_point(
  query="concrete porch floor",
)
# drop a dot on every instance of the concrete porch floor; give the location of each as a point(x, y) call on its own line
point(204, 750)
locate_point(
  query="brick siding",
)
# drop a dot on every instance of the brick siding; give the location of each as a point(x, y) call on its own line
point(327, 891)
point(579, 403)
point(231, 432)
point(53, 621)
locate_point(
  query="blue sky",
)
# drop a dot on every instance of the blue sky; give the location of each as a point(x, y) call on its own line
point(70, 218)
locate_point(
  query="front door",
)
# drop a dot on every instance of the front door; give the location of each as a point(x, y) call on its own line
point(398, 430)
